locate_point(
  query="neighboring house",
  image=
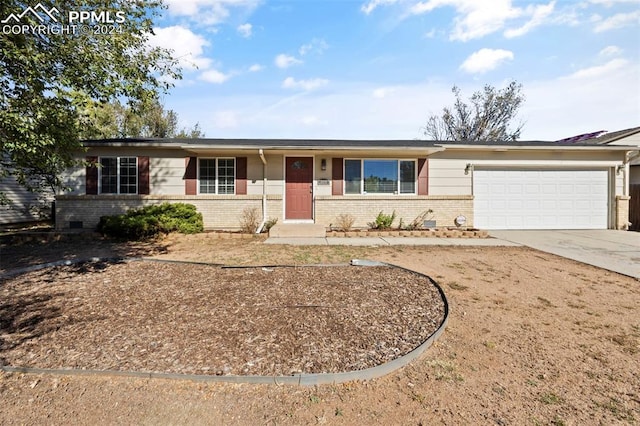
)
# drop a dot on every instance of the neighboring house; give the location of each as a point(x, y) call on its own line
point(521, 185)
point(23, 205)
point(629, 137)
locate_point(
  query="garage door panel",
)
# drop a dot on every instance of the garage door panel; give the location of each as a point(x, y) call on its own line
point(541, 199)
point(531, 189)
point(565, 189)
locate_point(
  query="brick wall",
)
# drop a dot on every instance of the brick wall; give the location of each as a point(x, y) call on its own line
point(365, 208)
point(225, 211)
point(622, 212)
point(218, 211)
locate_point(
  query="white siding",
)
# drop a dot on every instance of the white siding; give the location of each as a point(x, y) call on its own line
point(166, 175)
point(446, 177)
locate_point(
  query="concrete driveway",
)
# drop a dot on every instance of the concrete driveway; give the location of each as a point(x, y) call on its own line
point(617, 251)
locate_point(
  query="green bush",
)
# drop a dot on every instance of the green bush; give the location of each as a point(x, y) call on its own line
point(150, 221)
point(383, 221)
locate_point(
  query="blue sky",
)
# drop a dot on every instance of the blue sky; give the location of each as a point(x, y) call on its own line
point(362, 69)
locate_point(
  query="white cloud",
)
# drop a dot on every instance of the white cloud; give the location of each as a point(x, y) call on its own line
point(187, 47)
point(285, 61)
point(209, 12)
point(307, 85)
point(485, 60)
point(618, 21)
point(538, 13)
point(369, 7)
point(430, 34)
point(317, 46)
point(610, 51)
point(599, 70)
point(245, 30)
point(214, 76)
point(609, 3)
point(382, 92)
point(474, 18)
point(256, 68)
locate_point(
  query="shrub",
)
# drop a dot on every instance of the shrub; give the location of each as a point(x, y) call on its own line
point(150, 221)
point(419, 220)
point(250, 220)
point(344, 222)
point(383, 221)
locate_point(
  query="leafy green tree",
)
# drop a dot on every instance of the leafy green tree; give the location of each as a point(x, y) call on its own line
point(140, 120)
point(47, 81)
point(488, 117)
point(145, 120)
point(194, 133)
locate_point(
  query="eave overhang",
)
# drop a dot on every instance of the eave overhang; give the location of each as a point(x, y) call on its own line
point(536, 147)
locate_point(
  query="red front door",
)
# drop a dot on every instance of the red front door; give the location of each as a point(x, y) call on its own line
point(299, 188)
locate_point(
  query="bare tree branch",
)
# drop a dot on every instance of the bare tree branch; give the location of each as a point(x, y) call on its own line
point(488, 117)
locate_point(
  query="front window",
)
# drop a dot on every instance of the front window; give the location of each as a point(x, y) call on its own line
point(217, 175)
point(380, 176)
point(118, 175)
point(352, 176)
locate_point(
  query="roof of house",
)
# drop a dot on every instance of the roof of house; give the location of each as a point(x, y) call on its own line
point(280, 144)
point(601, 137)
point(260, 143)
point(614, 136)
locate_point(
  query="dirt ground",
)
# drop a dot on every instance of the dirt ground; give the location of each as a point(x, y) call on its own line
point(532, 339)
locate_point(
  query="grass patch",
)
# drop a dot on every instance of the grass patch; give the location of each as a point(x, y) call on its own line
point(616, 408)
point(550, 398)
point(445, 371)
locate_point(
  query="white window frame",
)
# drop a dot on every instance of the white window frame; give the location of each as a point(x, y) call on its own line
point(118, 175)
point(378, 194)
point(217, 180)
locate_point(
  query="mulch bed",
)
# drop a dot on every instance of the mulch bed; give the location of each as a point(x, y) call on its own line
point(202, 319)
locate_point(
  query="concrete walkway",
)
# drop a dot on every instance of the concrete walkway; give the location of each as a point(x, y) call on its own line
point(617, 251)
point(390, 241)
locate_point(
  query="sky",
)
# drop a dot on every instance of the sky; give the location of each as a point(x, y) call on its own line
point(377, 69)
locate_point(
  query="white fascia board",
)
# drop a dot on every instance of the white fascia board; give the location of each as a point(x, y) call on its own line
point(206, 148)
point(551, 147)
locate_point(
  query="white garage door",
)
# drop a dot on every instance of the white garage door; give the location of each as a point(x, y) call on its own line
point(534, 199)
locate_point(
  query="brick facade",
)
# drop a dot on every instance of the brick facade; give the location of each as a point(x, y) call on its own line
point(225, 211)
point(622, 212)
point(365, 208)
point(218, 211)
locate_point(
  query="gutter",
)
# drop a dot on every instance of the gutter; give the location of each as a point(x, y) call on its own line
point(550, 147)
point(264, 190)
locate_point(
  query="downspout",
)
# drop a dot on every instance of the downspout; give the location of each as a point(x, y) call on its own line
point(264, 191)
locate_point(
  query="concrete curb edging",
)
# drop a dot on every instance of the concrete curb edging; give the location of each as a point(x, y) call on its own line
point(297, 379)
